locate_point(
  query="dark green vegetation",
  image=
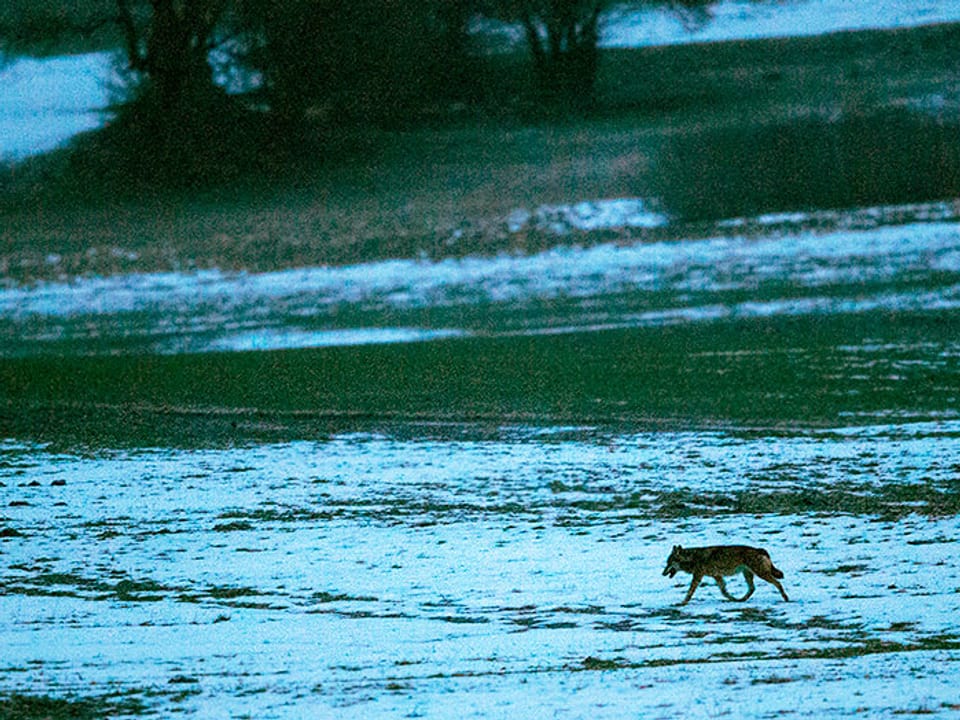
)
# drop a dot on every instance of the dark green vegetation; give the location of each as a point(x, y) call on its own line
point(32, 707)
point(43, 27)
point(853, 161)
point(780, 372)
point(712, 130)
point(842, 120)
point(66, 585)
point(320, 64)
point(856, 648)
point(370, 60)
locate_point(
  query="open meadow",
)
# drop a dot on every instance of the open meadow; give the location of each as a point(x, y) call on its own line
point(413, 435)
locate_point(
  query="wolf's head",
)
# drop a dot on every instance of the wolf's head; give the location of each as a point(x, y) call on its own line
point(673, 562)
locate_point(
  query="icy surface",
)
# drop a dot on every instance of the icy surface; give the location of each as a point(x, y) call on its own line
point(382, 575)
point(586, 215)
point(745, 20)
point(45, 102)
point(782, 271)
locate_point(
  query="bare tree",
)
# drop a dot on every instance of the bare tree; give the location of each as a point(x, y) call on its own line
point(563, 37)
point(168, 42)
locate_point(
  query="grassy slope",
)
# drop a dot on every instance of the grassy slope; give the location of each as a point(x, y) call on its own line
point(400, 193)
point(759, 81)
point(781, 372)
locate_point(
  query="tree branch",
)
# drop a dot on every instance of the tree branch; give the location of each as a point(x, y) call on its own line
point(533, 37)
point(131, 37)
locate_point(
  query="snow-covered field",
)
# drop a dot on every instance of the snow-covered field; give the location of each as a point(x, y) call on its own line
point(378, 575)
point(496, 569)
point(43, 103)
point(775, 18)
point(761, 267)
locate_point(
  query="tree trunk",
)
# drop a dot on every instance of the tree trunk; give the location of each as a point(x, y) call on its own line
point(172, 51)
point(565, 52)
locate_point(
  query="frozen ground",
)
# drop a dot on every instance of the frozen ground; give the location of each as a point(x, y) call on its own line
point(767, 266)
point(737, 20)
point(45, 102)
point(469, 573)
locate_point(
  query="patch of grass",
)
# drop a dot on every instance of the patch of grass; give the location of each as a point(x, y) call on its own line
point(327, 597)
point(595, 663)
point(733, 640)
point(236, 526)
point(585, 610)
point(881, 500)
point(916, 711)
point(463, 620)
point(676, 375)
point(286, 515)
point(182, 680)
point(900, 627)
point(854, 160)
point(876, 646)
point(140, 591)
point(42, 707)
point(47, 584)
point(231, 593)
point(822, 622)
point(856, 569)
point(773, 680)
point(860, 648)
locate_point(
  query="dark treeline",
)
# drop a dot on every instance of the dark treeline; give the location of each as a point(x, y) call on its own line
point(313, 69)
point(753, 127)
point(368, 60)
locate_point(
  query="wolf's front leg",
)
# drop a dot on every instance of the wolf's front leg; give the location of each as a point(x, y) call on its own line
point(780, 588)
point(723, 588)
point(693, 586)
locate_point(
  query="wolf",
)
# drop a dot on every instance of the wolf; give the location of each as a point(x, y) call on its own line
point(720, 560)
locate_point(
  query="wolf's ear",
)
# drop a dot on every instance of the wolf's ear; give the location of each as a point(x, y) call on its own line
point(677, 547)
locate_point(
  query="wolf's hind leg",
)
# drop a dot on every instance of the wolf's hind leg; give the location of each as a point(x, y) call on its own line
point(748, 576)
point(776, 583)
point(770, 578)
